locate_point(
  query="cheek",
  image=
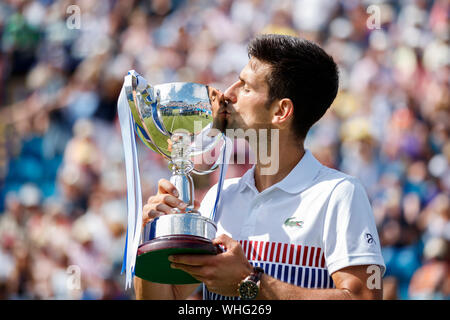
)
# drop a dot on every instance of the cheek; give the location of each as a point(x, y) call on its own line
point(259, 113)
point(252, 110)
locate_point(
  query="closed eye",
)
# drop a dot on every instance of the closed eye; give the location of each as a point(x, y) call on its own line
point(244, 85)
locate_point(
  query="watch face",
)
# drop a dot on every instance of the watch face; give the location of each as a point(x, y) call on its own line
point(248, 290)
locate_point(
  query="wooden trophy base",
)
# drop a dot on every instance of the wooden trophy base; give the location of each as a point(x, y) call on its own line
point(152, 262)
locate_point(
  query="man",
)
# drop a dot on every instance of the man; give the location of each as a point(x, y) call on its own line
point(308, 228)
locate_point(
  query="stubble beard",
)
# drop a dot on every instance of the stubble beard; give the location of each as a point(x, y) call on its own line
point(220, 124)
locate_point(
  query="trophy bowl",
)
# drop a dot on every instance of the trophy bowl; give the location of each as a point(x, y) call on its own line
point(176, 121)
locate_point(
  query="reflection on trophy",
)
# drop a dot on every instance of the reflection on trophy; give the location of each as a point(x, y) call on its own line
point(175, 120)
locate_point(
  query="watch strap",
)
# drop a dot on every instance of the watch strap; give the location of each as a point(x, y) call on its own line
point(256, 275)
point(254, 279)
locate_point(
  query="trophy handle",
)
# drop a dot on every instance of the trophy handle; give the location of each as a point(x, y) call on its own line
point(136, 89)
point(130, 85)
point(155, 110)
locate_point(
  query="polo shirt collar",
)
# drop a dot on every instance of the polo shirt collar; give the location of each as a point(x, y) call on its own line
point(248, 180)
point(300, 177)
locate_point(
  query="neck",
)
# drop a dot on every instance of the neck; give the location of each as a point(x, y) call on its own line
point(287, 152)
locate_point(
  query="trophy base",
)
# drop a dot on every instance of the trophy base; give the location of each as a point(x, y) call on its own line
point(152, 262)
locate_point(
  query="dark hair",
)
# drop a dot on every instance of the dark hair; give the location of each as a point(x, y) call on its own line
point(300, 71)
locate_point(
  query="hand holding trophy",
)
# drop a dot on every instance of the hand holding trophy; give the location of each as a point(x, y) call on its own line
point(174, 120)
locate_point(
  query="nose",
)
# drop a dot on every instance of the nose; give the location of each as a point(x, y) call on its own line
point(230, 93)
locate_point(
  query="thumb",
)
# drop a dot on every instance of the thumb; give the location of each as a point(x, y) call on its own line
point(223, 240)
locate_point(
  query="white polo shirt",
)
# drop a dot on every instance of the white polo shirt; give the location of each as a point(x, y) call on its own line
point(302, 229)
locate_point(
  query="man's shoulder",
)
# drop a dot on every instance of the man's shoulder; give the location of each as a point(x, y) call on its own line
point(336, 179)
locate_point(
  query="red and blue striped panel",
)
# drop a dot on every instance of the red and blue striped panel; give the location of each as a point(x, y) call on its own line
point(300, 265)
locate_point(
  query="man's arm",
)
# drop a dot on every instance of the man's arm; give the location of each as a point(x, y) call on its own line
point(223, 273)
point(350, 282)
point(146, 290)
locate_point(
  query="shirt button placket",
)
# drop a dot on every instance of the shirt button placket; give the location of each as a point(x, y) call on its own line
point(248, 228)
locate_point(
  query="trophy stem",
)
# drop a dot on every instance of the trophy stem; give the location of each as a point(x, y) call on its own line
point(181, 167)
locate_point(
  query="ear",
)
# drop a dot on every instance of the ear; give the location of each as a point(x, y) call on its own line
point(283, 113)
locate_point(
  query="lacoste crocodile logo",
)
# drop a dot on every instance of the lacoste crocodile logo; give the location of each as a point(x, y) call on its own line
point(290, 222)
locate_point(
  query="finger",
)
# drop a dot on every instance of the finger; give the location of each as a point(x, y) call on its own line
point(152, 214)
point(194, 271)
point(174, 202)
point(190, 259)
point(164, 208)
point(224, 240)
point(146, 210)
point(166, 187)
point(151, 199)
point(165, 198)
point(196, 204)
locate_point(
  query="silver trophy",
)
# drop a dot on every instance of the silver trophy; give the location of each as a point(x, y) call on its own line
point(176, 121)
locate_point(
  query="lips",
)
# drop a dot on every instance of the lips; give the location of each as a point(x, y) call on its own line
point(224, 113)
point(224, 107)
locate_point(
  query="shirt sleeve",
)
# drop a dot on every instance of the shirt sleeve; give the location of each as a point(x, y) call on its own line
point(350, 236)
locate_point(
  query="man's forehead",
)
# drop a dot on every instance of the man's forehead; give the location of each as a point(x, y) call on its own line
point(257, 68)
point(258, 65)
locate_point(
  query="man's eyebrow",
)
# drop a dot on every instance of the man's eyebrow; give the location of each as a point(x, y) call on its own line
point(244, 81)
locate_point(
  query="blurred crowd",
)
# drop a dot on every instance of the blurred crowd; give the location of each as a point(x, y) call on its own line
point(62, 178)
